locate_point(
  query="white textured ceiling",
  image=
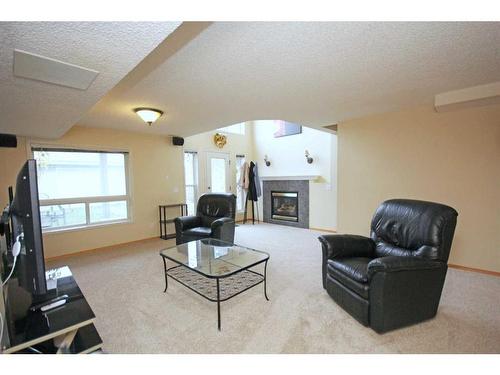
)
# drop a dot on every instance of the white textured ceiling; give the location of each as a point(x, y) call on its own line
point(33, 108)
point(208, 75)
point(316, 74)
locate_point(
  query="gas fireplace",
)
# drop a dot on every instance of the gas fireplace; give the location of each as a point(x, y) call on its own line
point(285, 205)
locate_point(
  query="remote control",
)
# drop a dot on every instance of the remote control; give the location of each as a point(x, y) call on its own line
point(52, 304)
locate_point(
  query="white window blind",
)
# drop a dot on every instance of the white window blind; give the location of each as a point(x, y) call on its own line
point(191, 176)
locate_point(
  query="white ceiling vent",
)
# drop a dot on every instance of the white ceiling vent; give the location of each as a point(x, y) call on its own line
point(45, 69)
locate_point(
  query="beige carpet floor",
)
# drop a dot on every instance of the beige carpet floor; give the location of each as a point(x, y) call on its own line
point(124, 286)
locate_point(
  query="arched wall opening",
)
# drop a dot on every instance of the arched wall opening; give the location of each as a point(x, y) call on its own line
point(258, 141)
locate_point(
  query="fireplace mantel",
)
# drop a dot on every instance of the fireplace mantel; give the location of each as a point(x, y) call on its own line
point(289, 178)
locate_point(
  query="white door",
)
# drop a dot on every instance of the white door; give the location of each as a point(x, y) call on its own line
point(218, 172)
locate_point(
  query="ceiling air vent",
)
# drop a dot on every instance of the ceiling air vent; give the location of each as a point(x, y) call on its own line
point(41, 68)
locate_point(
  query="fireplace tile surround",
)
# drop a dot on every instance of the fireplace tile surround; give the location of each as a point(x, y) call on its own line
point(299, 186)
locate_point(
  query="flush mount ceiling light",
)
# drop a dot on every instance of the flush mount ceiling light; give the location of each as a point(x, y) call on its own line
point(148, 115)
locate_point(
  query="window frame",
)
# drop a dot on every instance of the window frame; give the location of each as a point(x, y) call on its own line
point(242, 131)
point(32, 147)
point(196, 177)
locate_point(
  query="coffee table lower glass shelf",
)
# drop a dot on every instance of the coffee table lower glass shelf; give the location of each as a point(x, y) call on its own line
point(216, 270)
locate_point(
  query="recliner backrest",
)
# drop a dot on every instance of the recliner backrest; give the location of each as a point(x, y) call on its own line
point(212, 206)
point(405, 227)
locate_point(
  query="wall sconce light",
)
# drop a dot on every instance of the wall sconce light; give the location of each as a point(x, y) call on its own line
point(309, 158)
point(148, 115)
point(266, 160)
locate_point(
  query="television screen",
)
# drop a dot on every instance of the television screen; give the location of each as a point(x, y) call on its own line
point(25, 215)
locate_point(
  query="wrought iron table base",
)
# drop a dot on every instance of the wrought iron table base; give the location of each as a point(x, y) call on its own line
point(216, 289)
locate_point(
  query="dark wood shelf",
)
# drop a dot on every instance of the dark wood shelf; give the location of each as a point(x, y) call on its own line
point(168, 221)
point(164, 220)
point(172, 205)
point(87, 340)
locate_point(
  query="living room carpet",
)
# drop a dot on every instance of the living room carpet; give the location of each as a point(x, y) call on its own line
point(124, 285)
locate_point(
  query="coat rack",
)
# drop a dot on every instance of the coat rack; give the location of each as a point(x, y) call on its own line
point(245, 215)
point(253, 180)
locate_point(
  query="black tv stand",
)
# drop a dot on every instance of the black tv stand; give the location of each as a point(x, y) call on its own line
point(68, 328)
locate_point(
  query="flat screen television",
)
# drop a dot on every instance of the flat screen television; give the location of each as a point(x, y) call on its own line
point(24, 212)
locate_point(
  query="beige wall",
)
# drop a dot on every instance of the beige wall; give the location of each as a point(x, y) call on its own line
point(287, 156)
point(156, 177)
point(452, 158)
point(236, 145)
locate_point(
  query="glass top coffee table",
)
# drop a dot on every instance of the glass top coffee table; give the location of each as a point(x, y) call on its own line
point(215, 269)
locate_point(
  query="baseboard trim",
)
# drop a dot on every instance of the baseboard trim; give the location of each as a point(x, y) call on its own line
point(324, 230)
point(81, 252)
point(470, 269)
point(249, 221)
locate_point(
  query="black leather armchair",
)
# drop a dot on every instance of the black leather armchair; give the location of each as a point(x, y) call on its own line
point(215, 214)
point(395, 277)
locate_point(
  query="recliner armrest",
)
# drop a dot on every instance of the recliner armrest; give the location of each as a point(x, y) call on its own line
point(346, 245)
point(223, 229)
point(400, 263)
point(183, 223)
point(220, 222)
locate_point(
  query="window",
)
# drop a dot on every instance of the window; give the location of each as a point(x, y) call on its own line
point(234, 129)
point(79, 188)
point(191, 176)
point(240, 193)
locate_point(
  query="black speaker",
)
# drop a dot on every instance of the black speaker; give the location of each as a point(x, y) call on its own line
point(8, 140)
point(178, 141)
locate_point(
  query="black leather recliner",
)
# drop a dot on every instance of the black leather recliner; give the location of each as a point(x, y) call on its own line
point(215, 214)
point(394, 278)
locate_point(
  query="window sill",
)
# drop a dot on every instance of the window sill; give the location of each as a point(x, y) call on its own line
point(85, 227)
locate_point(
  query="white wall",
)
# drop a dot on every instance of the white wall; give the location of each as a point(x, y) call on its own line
point(287, 159)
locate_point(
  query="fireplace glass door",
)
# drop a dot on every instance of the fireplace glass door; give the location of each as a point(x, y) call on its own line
point(285, 205)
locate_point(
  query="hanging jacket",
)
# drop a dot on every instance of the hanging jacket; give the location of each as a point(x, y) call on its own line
point(252, 191)
point(244, 181)
point(258, 188)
